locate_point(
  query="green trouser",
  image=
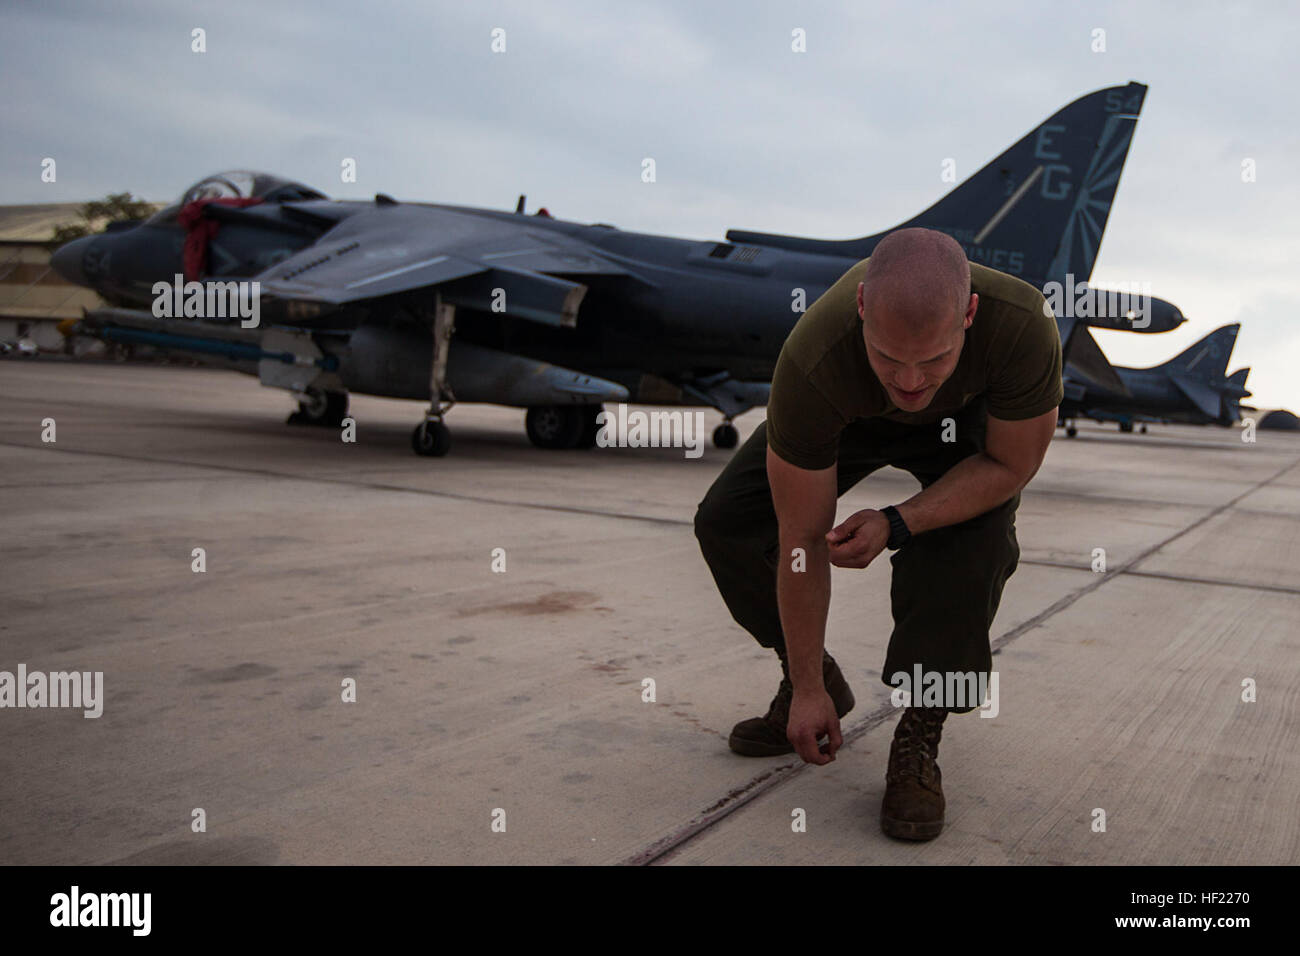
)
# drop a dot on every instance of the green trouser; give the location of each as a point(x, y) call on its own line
point(946, 582)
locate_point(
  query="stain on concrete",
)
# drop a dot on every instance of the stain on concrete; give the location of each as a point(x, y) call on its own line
point(316, 699)
point(206, 850)
point(554, 602)
point(228, 675)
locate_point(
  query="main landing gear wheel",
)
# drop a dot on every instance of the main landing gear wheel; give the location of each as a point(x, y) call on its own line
point(1071, 431)
point(320, 408)
point(1126, 427)
point(431, 438)
point(557, 426)
point(590, 428)
point(725, 436)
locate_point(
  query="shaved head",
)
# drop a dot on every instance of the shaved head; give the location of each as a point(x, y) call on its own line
point(915, 303)
point(918, 276)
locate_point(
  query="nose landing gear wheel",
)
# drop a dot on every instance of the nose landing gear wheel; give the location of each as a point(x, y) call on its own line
point(431, 438)
point(725, 436)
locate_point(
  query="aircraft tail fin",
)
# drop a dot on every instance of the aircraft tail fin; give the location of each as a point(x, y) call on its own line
point(1039, 209)
point(1207, 359)
point(1200, 374)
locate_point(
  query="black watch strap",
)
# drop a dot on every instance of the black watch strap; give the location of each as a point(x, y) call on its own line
point(898, 530)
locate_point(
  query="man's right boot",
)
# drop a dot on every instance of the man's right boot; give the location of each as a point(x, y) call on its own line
point(765, 736)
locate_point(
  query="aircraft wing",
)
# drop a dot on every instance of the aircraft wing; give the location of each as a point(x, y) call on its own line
point(395, 248)
point(1084, 358)
point(1199, 393)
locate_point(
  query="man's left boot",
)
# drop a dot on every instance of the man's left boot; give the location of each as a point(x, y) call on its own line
point(913, 805)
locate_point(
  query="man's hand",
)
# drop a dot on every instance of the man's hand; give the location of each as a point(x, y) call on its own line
point(856, 542)
point(812, 714)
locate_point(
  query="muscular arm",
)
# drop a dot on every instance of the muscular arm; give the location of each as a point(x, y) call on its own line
point(1013, 452)
point(805, 510)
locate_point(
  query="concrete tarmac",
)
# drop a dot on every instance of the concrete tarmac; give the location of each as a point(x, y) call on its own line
point(517, 697)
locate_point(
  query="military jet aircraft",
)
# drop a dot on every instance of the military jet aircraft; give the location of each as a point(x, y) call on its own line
point(447, 303)
point(1191, 387)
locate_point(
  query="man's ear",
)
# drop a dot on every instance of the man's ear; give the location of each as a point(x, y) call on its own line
point(862, 302)
point(970, 310)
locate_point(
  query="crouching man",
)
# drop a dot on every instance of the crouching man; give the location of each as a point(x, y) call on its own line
point(914, 358)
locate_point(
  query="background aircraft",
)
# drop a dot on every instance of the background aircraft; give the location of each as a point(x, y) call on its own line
point(559, 316)
point(1191, 387)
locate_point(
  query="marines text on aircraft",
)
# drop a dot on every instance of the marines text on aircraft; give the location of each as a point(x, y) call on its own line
point(447, 303)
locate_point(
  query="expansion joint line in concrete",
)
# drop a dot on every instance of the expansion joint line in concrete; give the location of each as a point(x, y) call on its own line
point(352, 483)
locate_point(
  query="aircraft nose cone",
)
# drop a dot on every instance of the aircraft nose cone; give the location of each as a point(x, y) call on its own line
point(67, 260)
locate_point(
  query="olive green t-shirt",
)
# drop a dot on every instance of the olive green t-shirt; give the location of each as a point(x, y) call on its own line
point(823, 381)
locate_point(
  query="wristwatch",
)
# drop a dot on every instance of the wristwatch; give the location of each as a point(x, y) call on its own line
point(898, 531)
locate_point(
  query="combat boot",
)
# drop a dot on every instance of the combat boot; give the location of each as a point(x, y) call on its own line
point(913, 805)
point(765, 736)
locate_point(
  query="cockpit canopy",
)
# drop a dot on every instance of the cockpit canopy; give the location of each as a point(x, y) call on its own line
point(243, 184)
point(240, 184)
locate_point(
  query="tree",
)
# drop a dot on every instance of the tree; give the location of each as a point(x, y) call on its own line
point(113, 207)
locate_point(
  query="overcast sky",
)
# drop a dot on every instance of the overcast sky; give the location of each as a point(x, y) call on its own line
point(844, 140)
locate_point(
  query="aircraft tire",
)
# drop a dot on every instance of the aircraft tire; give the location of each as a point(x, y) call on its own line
point(432, 439)
point(725, 436)
point(555, 426)
point(1071, 431)
point(321, 408)
point(589, 427)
